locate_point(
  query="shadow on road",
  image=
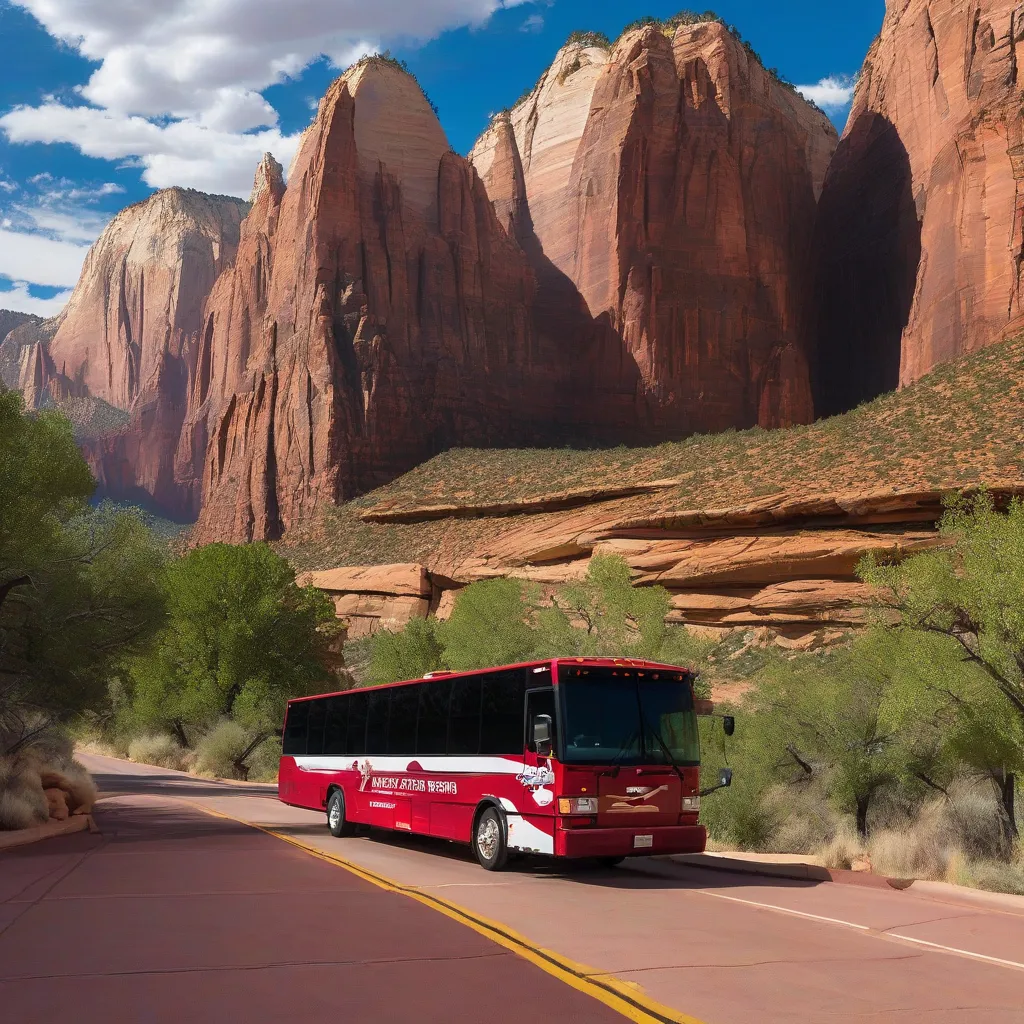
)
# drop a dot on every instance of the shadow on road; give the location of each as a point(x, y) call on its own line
point(172, 784)
point(639, 873)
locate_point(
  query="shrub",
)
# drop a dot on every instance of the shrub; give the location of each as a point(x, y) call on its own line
point(157, 749)
point(598, 39)
point(219, 751)
point(265, 761)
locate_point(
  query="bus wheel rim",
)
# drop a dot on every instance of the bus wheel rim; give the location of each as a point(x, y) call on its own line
point(487, 838)
point(334, 817)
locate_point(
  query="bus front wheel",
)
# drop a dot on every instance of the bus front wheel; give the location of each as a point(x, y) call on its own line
point(489, 841)
point(336, 815)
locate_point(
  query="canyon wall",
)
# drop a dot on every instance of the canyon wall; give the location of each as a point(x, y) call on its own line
point(377, 313)
point(920, 243)
point(665, 190)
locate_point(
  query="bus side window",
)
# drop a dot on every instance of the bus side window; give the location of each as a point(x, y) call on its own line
point(402, 725)
point(432, 720)
point(377, 722)
point(357, 724)
point(317, 719)
point(501, 723)
point(539, 702)
point(295, 729)
point(336, 728)
point(464, 717)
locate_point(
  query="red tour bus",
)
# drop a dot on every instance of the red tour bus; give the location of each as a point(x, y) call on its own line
point(572, 757)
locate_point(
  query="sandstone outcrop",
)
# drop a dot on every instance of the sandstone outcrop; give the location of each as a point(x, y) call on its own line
point(665, 191)
point(788, 566)
point(369, 598)
point(921, 230)
point(376, 314)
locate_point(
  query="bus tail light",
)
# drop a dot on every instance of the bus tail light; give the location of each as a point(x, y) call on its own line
point(577, 805)
point(690, 804)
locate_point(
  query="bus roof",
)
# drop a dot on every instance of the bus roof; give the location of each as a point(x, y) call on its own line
point(438, 676)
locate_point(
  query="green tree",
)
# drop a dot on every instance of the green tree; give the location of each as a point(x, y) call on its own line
point(971, 593)
point(44, 484)
point(241, 638)
point(489, 625)
point(606, 615)
point(408, 653)
point(503, 621)
point(79, 588)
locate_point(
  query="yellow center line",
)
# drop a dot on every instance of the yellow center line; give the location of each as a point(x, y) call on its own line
point(624, 997)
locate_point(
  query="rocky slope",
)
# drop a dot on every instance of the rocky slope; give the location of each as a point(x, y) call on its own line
point(748, 529)
point(665, 189)
point(377, 313)
point(921, 234)
point(9, 319)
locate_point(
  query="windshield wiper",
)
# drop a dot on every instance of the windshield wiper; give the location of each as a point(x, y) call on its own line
point(668, 753)
point(614, 769)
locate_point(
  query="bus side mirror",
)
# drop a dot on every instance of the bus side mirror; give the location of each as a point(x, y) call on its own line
point(728, 727)
point(725, 778)
point(542, 728)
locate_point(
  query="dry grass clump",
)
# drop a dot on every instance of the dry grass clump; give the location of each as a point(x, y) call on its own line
point(43, 781)
point(804, 820)
point(160, 750)
point(955, 839)
point(843, 850)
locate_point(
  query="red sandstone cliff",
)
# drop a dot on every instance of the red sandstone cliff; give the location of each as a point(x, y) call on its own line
point(128, 337)
point(666, 192)
point(921, 236)
point(376, 314)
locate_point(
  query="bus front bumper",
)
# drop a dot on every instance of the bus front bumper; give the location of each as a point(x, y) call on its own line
point(623, 842)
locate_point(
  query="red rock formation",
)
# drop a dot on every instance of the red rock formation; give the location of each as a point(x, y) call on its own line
point(672, 183)
point(128, 336)
point(378, 309)
point(921, 236)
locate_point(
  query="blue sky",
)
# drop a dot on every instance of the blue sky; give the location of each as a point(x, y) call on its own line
point(101, 101)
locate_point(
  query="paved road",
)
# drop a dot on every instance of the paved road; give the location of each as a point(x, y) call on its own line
point(726, 949)
point(172, 915)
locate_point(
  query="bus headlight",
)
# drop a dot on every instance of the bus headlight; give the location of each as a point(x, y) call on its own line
point(691, 804)
point(577, 805)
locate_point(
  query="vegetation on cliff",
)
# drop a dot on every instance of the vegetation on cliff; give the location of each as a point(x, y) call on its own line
point(958, 427)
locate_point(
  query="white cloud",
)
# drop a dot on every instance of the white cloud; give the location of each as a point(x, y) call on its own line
point(19, 299)
point(832, 94)
point(534, 23)
point(179, 83)
point(183, 153)
point(44, 261)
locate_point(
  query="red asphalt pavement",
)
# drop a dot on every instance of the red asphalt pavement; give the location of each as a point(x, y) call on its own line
point(173, 915)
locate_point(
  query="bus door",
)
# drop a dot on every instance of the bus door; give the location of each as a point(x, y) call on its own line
point(538, 767)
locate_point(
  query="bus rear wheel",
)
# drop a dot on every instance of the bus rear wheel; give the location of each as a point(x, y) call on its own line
point(336, 815)
point(489, 841)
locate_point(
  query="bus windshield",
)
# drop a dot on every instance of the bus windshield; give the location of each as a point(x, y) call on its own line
point(618, 716)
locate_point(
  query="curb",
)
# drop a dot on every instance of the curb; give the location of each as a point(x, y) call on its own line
point(799, 872)
point(24, 836)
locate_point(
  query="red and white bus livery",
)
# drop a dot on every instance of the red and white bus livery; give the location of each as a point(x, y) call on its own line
point(572, 757)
